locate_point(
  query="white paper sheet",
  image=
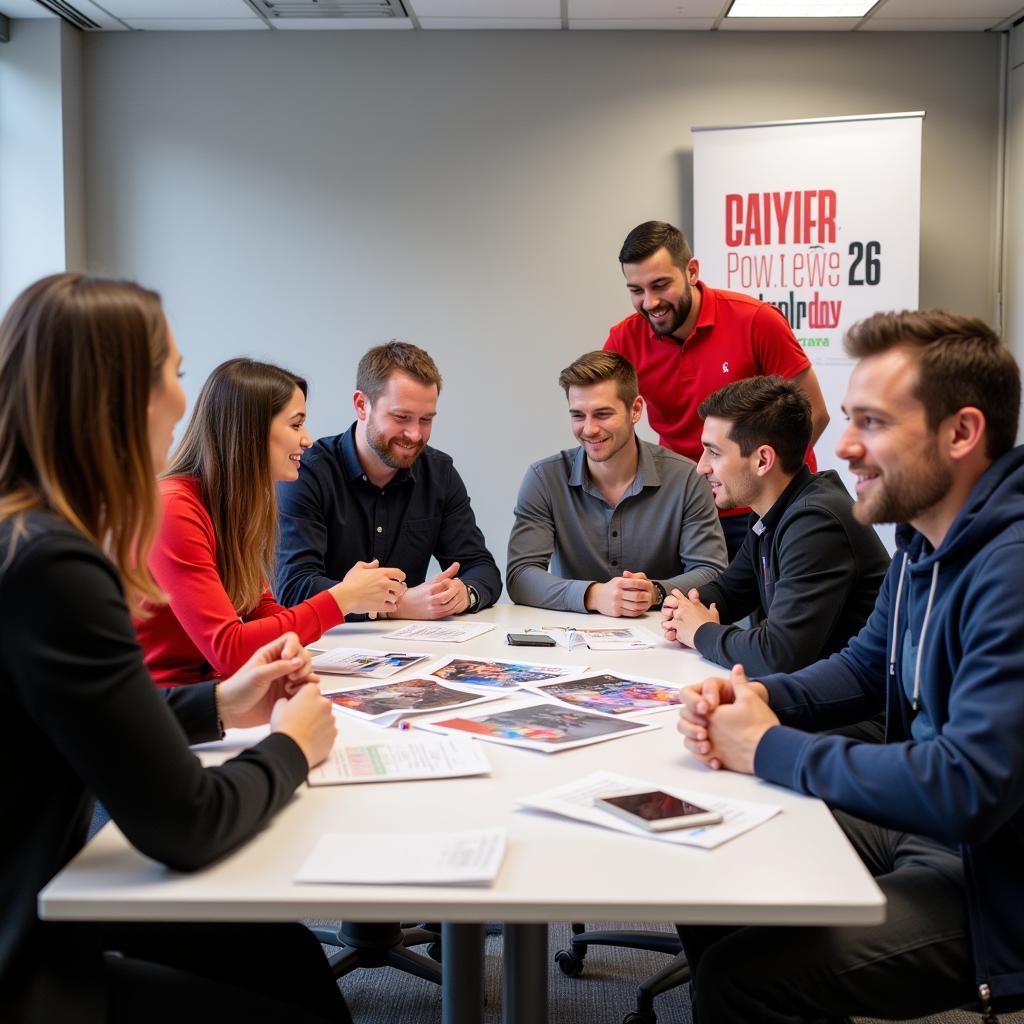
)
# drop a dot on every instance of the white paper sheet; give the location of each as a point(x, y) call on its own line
point(428, 858)
point(430, 758)
point(440, 632)
point(576, 800)
point(362, 662)
point(610, 638)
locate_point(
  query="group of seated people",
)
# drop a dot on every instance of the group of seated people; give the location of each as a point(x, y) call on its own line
point(106, 589)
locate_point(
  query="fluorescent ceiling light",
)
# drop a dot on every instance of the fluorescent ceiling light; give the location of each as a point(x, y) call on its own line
point(800, 8)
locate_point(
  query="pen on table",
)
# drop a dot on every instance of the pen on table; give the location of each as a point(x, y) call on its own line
point(404, 725)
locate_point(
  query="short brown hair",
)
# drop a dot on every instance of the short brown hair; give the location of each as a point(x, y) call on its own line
point(383, 360)
point(764, 410)
point(599, 366)
point(79, 360)
point(647, 238)
point(225, 447)
point(961, 362)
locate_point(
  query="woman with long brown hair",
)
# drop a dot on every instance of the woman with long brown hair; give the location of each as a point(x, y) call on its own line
point(89, 397)
point(215, 548)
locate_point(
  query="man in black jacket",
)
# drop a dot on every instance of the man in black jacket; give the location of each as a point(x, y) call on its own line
point(809, 568)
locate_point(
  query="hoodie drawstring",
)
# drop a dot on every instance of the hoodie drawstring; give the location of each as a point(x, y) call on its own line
point(924, 632)
point(896, 616)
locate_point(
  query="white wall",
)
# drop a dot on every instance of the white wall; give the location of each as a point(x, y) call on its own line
point(41, 178)
point(301, 196)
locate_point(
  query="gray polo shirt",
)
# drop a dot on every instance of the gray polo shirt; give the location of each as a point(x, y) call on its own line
point(666, 526)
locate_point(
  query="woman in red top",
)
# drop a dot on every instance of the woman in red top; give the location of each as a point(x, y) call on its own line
point(216, 543)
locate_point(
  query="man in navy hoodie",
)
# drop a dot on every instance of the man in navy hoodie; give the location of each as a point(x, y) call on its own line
point(937, 811)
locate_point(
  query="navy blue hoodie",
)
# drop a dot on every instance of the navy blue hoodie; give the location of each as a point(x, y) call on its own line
point(964, 606)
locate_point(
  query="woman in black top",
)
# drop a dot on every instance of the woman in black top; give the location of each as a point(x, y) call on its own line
point(89, 396)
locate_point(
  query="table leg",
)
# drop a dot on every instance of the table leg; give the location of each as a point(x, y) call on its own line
point(525, 974)
point(462, 973)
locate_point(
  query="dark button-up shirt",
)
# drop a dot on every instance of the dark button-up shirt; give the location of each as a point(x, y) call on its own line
point(333, 516)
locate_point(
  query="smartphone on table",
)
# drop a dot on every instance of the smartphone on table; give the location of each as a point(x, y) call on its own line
point(529, 640)
point(657, 811)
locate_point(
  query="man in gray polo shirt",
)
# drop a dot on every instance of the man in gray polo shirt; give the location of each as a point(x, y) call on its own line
point(621, 522)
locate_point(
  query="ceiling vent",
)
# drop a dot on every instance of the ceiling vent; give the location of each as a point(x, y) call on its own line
point(288, 9)
point(68, 13)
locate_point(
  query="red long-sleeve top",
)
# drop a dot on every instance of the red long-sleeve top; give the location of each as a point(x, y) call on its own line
point(198, 634)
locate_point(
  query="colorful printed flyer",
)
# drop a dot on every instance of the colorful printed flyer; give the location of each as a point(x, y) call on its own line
point(384, 703)
point(499, 672)
point(350, 661)
point(613, 694)
point(545, 727)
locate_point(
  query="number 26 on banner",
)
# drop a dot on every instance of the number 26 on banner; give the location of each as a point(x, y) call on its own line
point(866, 267)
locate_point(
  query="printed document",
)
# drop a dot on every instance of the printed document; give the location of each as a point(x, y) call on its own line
point(576, 800)
point(440, 632)
point(430, 758)
point(439, 858)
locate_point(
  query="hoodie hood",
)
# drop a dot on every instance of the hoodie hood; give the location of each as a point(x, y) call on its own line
point(995, 502)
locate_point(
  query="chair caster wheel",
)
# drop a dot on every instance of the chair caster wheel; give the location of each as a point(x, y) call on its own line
point(434, 951)
point(635, 1017)
point(569, 963)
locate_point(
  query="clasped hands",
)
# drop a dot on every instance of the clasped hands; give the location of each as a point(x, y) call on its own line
point(626, 596)
point(681, 616)
point(723, 720)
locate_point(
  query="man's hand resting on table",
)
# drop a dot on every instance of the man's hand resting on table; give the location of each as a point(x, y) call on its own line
point(723, 720)
point(681, 617)
point(628, 596)
point(435, 598)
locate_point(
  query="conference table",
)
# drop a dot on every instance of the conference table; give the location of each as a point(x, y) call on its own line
point(795, 869)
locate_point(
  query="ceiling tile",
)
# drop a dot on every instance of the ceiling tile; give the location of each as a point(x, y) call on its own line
point(178, 9)
point(641, 10)
point(24, 9)
point(511, 9)
point(789, 24)
point(489, 23)
point(929, 24)
point(197, 24)
point(100, 15)
point(315, 24)
point(641, 24)
point(957, 10)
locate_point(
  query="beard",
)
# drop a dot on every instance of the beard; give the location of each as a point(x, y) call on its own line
point(901, 496)
point(680, 311)
point(387, 450)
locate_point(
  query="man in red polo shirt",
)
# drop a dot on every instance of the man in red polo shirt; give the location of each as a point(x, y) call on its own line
point(687, 340)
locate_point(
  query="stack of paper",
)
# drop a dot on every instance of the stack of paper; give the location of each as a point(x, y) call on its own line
point(437, 858)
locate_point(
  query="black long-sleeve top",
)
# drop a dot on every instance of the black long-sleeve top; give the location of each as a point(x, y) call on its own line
point(810, 567)
point(80, 719)
point(333, 517)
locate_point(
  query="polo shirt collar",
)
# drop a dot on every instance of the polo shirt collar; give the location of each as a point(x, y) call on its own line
point(646, 472)
point(772, 517)
point(354, 468)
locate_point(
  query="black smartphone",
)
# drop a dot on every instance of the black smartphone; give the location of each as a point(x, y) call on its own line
point(529, 640)
point(657, 811)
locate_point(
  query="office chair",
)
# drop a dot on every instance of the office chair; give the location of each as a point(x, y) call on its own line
point(677, 972)
point(384, 945)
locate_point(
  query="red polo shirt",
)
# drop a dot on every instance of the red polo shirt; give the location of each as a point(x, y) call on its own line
point(735, 337)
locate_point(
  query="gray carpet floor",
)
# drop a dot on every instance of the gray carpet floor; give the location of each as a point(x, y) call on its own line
point(603, 994)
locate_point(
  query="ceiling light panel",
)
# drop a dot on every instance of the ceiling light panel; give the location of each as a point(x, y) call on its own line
point(800, 8)
point(316, 24)
point(513, 10)
point(198, 24)
point(178, 9)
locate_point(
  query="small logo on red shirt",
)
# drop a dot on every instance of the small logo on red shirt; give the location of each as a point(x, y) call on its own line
point(725, 367)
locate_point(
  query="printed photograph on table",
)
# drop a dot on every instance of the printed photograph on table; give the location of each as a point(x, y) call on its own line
point(613, 694)
point(508, 675)
point(385, 702)
point(546, 727)
point(347, 661)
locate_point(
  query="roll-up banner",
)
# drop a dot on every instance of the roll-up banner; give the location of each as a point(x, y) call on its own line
point(821, 218)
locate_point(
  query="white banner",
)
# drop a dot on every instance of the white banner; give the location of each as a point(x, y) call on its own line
point(821, 218)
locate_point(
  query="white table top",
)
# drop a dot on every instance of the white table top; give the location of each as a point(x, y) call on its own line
point(795, 869)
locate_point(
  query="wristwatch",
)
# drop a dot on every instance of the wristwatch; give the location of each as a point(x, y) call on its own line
point(660, 599)
point(474, 597)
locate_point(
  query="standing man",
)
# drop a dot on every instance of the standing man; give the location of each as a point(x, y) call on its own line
point(379, 492)
point(936, 812)
point(806, 564)
point(687, 340)
point(620, 521)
